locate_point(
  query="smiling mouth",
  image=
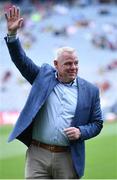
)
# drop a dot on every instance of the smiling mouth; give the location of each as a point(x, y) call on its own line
point(72, 73)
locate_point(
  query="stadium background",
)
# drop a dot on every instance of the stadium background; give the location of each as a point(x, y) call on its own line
point(90, 26)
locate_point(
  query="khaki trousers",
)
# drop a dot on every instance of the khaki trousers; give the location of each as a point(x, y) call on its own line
point(43, 164)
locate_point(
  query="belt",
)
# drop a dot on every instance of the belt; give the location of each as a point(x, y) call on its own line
point(52, 148)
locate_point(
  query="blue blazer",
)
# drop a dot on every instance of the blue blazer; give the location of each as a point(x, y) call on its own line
point(87, 116)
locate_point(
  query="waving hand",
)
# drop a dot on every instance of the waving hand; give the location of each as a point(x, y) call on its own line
point(14, 21)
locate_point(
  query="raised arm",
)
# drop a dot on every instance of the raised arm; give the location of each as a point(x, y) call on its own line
point(25, 65)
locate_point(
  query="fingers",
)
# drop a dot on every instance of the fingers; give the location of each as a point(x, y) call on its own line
point(14, 21)
point(72, 133)
point(10, 13)
point(18, 12)
point(14, 12)
point(70, 130)
point(20, 22)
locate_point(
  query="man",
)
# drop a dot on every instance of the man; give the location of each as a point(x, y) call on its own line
point(62, 111)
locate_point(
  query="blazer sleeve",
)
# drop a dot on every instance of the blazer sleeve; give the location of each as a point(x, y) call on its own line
point(95, 124)
point(27, 68)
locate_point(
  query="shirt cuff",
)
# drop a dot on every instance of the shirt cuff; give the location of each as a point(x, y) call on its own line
point(11, 38)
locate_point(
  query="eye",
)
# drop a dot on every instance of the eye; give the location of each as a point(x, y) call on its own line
point(76, 63)
point(68, 63)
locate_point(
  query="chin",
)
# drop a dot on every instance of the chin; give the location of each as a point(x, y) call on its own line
point(71, 79)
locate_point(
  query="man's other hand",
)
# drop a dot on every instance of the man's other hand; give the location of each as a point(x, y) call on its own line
point(73, 133)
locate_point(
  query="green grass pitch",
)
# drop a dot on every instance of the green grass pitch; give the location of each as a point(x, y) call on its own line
point(101, 155)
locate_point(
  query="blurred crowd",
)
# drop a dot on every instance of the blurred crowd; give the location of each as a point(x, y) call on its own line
point(46, 18)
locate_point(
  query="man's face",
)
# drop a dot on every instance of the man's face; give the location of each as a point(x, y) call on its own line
point(67, 66)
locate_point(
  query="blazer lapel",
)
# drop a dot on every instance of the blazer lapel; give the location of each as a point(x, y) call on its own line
point(81, 101)
point(81, 94)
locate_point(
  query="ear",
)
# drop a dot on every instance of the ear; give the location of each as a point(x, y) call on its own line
point(55, 63)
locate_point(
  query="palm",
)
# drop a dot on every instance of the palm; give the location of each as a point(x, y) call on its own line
point(13, 25)
point(14, 21)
